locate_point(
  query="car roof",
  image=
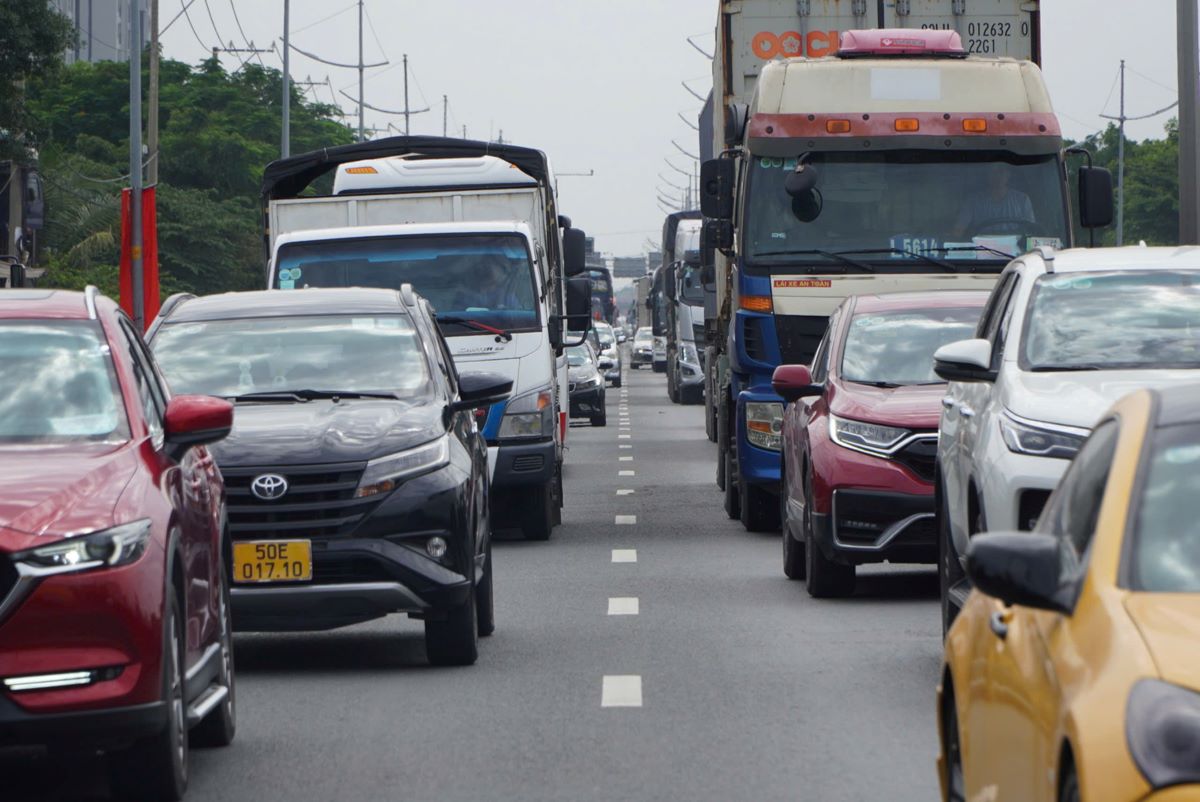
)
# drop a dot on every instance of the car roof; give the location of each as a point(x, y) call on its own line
point(43, 303)
point(287, 303)
point(1178, 404)
point(1135, 257)
point(906, 301)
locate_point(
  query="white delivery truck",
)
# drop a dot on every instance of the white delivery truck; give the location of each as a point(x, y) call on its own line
point(474, 228)
point(685, 308)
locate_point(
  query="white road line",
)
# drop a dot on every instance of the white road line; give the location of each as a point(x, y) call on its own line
point(626, 459)
point(623, 605)
point(623, 436)
point(621, 690)
point(626, 473)
point(624, 555)
point(626, 520)
point(624, 446)
point(624, 492)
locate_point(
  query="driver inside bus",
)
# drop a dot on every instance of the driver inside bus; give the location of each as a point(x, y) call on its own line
point(997, 208)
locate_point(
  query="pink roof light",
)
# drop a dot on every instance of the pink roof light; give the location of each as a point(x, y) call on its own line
point(901, 42)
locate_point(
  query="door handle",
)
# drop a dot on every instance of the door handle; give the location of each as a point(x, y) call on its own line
point(999, 623)
point(966, 411)
point(949, 403)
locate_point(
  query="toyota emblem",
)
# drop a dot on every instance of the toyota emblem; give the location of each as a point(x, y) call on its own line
point(269, 486)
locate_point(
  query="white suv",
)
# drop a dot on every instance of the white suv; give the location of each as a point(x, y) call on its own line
point(1062, 337)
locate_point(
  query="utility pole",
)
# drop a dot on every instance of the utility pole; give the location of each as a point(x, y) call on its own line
point(152, 112)
point(285, 138)
point(464, 132)
point(407, 113)
point(135, 160)
point(1189, 123)
point(445, 113)
point(78, 29)
point(361, 81)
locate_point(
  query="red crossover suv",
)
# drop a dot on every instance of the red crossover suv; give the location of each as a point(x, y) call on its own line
point(114, 610)
point(860, 436)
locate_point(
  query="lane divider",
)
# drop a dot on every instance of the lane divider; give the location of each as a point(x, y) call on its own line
point(623, 605)
point(624, 555)
point(621, 690)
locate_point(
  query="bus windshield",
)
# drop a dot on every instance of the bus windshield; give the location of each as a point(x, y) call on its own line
point(485, 278)
point(893, 208)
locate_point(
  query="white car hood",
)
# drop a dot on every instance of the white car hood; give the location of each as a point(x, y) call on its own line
point(1079, 398)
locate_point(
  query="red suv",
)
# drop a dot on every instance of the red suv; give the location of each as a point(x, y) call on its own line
point(860, 436)
point(114, 608)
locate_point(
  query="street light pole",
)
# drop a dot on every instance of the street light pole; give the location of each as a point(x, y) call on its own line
point(361, 81)
point(285, 141)
point(1189, 123)
point(135, 160)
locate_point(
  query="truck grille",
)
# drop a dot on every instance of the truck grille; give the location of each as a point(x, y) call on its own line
point(752, 340)
point(920, 456)
point(319, 502)
point(799, 336)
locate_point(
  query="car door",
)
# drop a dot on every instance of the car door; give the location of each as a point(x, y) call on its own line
point(813, 411)
point(1024, 708)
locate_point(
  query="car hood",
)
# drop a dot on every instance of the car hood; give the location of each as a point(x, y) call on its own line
point(315, 432)
point(911, 407)
point(1170, 626)
point(581, 374)
point(60, 491)
point(1079, 398)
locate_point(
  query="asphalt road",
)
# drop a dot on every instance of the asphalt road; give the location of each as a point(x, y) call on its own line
point(729, 682)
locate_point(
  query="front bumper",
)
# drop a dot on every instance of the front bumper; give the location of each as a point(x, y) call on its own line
point(641, 357)
point(585, 403)
point(523, 464)
point(867, 526)
point(110, 728)
point(756, 466)
point(1015, 487)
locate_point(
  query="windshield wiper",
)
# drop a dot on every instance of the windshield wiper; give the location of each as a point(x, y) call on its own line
point(1065, 368)
point(881, 385)
point(924, 257)
point(977, 249)
point(837, 257)
point(307, 395)
point(475, 324)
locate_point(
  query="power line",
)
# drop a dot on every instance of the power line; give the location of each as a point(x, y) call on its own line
point(245, 39)
point(325, 19)
point(175, 18)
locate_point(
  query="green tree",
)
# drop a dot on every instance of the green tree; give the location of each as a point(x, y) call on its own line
point(33, 37)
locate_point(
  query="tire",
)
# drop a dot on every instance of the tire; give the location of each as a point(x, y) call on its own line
point(793, 549)
point(710, 418)
point(949, 571)
point(218, 727)
point(454, 641)
point(1068, 790)
point(759, 510)
point(823, 578)
point(660, 367)
point(601, 419)
point(955, 780)
point(156, 767)
point(617, 382)
point(733, 502)
point(485, 607)
point(537, 519)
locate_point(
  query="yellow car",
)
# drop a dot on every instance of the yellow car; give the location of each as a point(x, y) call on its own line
point(1073, 672)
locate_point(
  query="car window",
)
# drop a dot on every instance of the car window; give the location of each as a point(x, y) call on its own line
point(820, 363)
point(989, 321)
point(1074, 509)
point(151, 395)
point(1165, 553)
point(897, 348)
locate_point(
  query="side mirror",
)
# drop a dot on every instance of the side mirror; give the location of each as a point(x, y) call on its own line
point(621, 337)
point(965, 361)
point(479, 389)
point(669, 288)
point(564, 222)
point(196, 420)
point(793, 382)
point(716, 188)
point(16, 272)
point(574, 251)
point(717, 234)
point(1095, 197)
point(579, 299)
point(736, 117)
point(1024, 568)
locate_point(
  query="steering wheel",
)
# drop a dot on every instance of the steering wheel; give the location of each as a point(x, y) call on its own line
point(1027, 226)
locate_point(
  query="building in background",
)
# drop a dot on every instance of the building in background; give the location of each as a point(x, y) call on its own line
point(103, 28)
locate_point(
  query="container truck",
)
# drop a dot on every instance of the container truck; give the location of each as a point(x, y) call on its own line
point(684, 300)
point(866, 148)
point(474, 227)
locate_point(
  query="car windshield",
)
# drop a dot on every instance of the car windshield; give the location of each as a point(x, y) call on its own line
point(246, 356)
point(877, 207)
point(1166, 553)
point(896, 348)
point(643, 336)
point(1119, 320)
point(605, 335)
point(578, 356)
point(57, 384)
point(484, 278)
point(691, 291)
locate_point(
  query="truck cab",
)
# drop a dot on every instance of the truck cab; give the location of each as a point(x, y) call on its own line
point(685, 312)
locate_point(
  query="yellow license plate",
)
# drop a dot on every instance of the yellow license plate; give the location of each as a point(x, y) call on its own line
point(272, 561)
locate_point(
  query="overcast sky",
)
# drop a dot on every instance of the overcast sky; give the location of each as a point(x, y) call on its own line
point(597, 84)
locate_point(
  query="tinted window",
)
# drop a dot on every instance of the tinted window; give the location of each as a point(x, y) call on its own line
point(1144, 319)
point(820, 365)
point(897, 347)
point(57, 384)
point(691, 290)
point(258, 355)
point(1166, 548)
point(579, 355)
point(1074, 509)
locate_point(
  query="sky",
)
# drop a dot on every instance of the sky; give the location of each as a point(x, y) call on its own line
point(599, 85)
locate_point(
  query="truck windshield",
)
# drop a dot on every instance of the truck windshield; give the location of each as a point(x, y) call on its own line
point(691, 291)
point(878, 208)
point(483, 278)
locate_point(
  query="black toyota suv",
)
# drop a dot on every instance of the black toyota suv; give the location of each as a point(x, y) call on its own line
point(357, 478)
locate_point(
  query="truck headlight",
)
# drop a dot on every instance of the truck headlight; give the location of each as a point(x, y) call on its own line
point(687, 353)
point(1038, 441)
point(529, 416)
point(384, 474)
point(764, 425)
point(120, 545)
point(869, 437)
point(1162, 728)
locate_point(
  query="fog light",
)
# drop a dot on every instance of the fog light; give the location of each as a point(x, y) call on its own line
point(436, 547)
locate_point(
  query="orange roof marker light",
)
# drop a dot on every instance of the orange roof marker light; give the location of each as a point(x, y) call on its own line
point(908, 125)
point(362, 171)
point(757, 303)
point(975, 126)
point(838, 126)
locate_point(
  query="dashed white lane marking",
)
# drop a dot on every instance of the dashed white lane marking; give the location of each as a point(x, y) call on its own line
point(623, 605)
point(625, 492)
point(623, 445)
point(626, 459)
point(621, 690)
point(624, 436)
point(626, 520)
point(624, 555)
point(626, 473)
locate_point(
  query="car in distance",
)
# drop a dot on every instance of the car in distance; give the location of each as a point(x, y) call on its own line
point(114, 605)
point(609, 350)
point(586, 384)
point(1063, 336)
point(1071, 672)
point(357, 475)
point(642, 351)
point(860, 436)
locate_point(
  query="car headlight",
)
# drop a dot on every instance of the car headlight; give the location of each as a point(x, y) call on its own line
point(870, 437)
point(764, 425)
point(1162, 728)
point(529, 416)
point(108, 548)
point(1038, 441)
point(384, 474)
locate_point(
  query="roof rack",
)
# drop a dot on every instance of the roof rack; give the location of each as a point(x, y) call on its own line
point(1047, 253)
point(407, 295)
point(90, 293)
point(175, 300)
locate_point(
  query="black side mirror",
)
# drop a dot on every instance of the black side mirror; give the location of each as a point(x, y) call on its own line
point(479, 389)
point(17, 275)
point(564, 222)
point(669, 288)
point(34, 202)
point(737, 115)
point(574, 251)
point(716, 188)
point(579, 301)
point(1025, 568)
point(717, 234)
point(1096, 205)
